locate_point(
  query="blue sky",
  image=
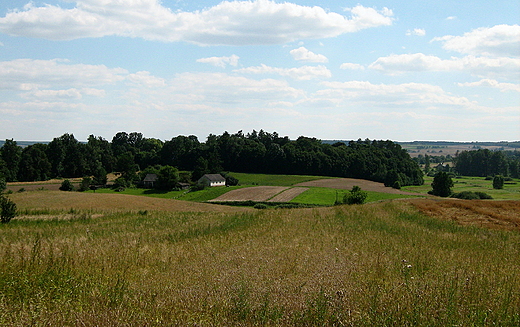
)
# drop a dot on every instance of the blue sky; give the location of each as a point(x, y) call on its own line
point(399, 70)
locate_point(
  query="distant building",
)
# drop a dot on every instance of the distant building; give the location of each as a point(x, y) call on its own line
point(149, 180)
point(212, 180)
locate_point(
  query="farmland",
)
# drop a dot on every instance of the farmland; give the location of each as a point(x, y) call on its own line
point(81, 260)
point(150, 258)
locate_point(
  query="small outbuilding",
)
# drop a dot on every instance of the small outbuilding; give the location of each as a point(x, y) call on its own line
point(212, 180)
point(150, 180)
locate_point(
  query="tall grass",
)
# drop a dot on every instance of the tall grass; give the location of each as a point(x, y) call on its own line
point(375, 265)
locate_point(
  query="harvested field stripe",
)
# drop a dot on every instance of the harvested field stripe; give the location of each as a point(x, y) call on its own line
point(258, 193)
point(288, 195)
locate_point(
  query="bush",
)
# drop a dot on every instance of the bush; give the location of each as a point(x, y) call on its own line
point(66, 185)
point(85, 183)
point(468, 195)
point(498, 182)
point(7, 209)
point(397, 185)
point(260, 206)
point(355, 196)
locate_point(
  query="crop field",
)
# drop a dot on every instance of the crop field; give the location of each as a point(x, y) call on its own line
point(142, 261)
point(257, 193)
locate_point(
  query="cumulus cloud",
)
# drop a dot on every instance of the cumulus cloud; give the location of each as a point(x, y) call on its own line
point(302, 54)
point(352, 66)
point(228, 23)
point(499, 40)
point(494, 84)
point(416, 32)
point(221, 61)
point(480, 66)
point(300, 73)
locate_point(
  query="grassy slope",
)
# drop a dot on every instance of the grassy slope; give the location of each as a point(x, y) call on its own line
point(374, 265)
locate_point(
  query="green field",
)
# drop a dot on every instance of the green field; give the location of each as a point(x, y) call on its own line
point(327, 196)
point(381, 264)
point(511, 190)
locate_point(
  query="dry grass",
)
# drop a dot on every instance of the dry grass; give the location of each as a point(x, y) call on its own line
point(489, 214)
point(258, 193)
point(380, 264)
point(58, 200)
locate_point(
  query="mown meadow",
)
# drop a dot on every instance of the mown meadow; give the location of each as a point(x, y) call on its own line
point(380, 264)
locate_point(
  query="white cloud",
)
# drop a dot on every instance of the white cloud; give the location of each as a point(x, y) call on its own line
point(228, 23)
point(302, 54)
point(221, 61)
point(69, 94)
point(144, 78)
point(416, 32)
point(479, 66)
point(27, 74)
point(499, 40)
point(352, 66)
point(451, 18)
point(494, 84)
point(300, 73)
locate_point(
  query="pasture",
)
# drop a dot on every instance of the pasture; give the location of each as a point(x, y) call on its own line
point(186, 263)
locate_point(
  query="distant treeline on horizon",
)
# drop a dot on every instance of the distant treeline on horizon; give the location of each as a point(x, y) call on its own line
point(255, 152)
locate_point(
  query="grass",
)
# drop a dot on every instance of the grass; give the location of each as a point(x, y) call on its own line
point(327, 196)
point(474, 184)
point(273, 180)
point(381, 264)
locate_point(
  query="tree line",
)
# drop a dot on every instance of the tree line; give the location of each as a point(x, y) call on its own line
point(484, 162)
point(255, 152)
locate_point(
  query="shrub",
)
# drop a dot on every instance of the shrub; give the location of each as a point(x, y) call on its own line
point(7, 209)
point(66, 185)
point(260, 206)
point(355, 196)
point(484, 196)
point(498, 182)
point(397, 185)
point(468, 195)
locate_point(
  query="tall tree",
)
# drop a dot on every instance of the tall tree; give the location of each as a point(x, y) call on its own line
point(11, 154)
point(442, 184)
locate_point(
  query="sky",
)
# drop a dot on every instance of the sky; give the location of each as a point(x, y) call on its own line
point(335, 70)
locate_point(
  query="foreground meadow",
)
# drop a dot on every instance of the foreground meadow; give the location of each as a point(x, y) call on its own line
point(381, 264)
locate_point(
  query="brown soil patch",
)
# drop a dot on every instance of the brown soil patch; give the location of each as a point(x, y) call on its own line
point(489, 214)
point(110, 202)
point(348, 183)
point(257, 193)
point(288, 195)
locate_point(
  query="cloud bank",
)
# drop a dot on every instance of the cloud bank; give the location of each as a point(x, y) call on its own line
point(228, 23)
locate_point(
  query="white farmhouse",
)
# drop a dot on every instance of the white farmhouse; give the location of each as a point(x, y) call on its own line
point(212, 180)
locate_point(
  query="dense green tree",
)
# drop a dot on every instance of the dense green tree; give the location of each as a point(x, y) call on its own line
point(34, 164)
point(442, 184)
point(11, 154)
point(200, 169)
point(167, 178)
point(66, 185)
point(7, 209)
point(67, 157)
point(3, 184)
point(498, 182)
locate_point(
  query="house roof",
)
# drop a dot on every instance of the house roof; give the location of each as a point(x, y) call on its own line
point(150, 178)
point(214, 177)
